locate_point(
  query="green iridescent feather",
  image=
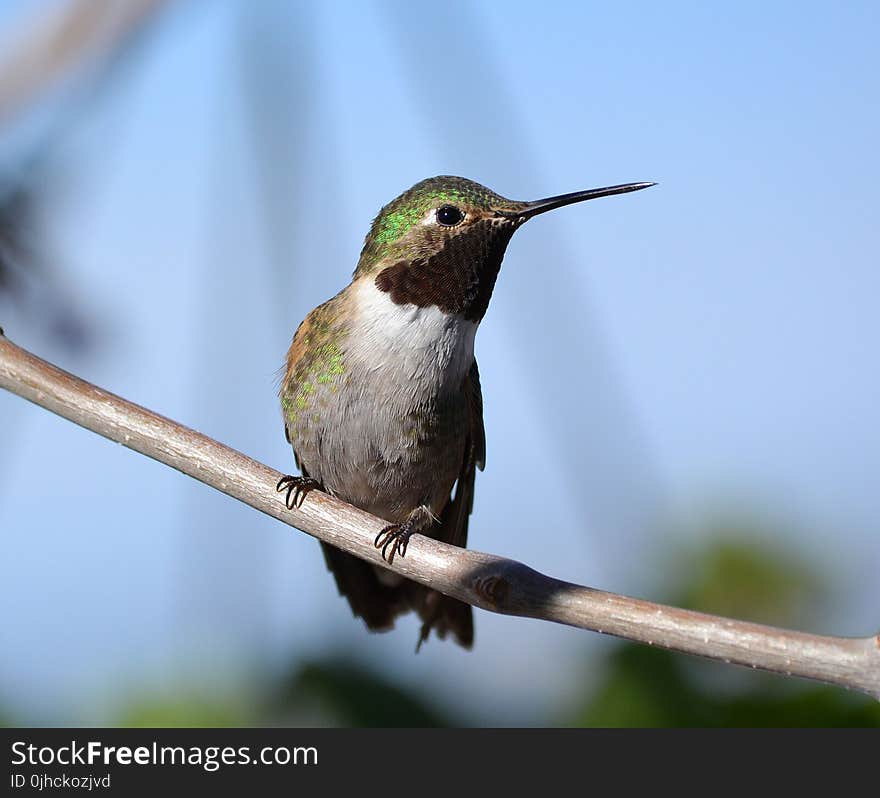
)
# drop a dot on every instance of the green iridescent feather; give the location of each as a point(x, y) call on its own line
point(319, 368)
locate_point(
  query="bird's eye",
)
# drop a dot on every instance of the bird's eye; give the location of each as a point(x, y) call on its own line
point(449, 215)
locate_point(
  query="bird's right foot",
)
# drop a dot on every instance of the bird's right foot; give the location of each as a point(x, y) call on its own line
point(297, 489)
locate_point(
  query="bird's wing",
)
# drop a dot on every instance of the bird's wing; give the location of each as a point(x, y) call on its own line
point(455, 516)
point(313, 356)
point(289, 379)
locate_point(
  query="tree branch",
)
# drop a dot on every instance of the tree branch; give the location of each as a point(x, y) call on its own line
point(492, 583)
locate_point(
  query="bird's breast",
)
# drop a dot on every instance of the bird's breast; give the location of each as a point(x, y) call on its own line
point(421, 350)
point(386, 429)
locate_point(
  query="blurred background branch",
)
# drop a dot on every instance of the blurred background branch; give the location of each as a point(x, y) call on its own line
point(486, 581)
point(55, 43)
point(56, 61)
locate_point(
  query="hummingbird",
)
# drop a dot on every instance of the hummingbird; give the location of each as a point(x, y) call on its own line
point(380, 393)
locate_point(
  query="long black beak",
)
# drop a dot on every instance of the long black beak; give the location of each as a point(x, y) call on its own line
point(529, 209)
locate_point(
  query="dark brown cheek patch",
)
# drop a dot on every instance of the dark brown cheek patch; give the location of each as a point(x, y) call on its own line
point(458, 279)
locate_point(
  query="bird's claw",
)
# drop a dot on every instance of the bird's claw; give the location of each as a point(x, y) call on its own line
point(297, 489)
point(396, 538)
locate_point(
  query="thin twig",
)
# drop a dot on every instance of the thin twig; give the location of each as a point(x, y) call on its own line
point(484, 580)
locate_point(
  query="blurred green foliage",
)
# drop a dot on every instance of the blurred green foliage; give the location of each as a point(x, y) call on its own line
point(353, 695)
point(738, 574)
point(652, 687)
point(335, 691)
point(751, 581)
point(740, 577)
point(187, 708)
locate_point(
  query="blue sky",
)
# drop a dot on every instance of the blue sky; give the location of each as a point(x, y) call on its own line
point(709, 343)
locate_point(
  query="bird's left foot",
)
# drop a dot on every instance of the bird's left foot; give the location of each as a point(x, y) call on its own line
point(297, 489)
point(394, 538)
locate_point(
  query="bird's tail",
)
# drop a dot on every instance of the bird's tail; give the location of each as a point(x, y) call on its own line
point(379, 603)
point(443, 614)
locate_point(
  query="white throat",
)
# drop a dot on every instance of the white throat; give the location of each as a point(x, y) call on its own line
point(409, 343)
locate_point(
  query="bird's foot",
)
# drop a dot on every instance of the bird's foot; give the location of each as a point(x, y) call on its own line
point(394, 538)
point(297, 489)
